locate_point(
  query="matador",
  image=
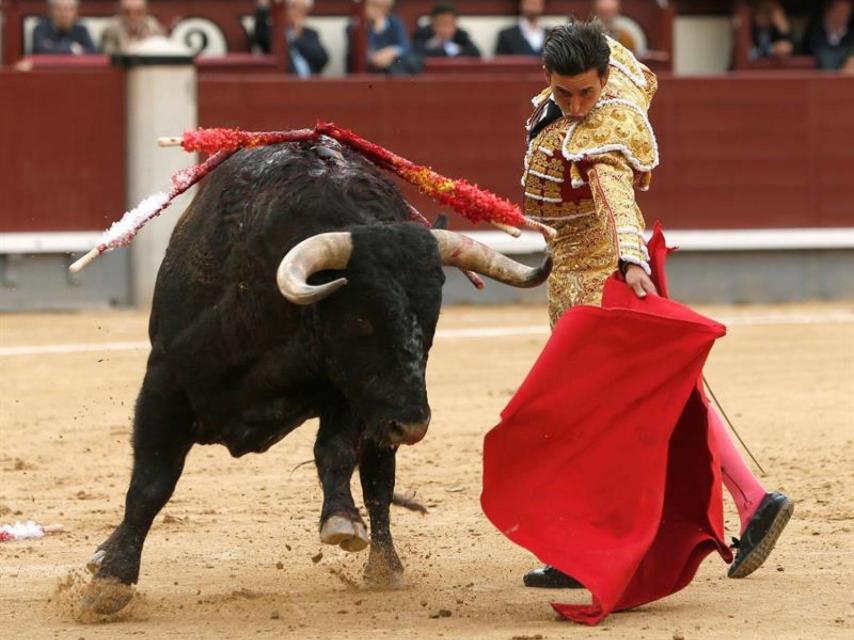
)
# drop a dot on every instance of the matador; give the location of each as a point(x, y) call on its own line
point(590, 146)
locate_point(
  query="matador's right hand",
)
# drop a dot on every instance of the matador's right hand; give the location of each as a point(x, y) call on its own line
point(639, 281)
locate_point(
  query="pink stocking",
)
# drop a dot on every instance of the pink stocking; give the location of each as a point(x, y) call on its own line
point(739, 480)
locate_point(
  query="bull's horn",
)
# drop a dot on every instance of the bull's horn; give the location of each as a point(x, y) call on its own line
point(463, 252)
point(317, 253)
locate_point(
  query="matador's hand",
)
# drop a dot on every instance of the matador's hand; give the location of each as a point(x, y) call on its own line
point(639, 282)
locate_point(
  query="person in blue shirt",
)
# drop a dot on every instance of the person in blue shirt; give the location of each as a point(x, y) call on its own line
point(389, 50)
point(60, 33)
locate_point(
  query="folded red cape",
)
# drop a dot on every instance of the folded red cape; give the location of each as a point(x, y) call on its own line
point(602, 464)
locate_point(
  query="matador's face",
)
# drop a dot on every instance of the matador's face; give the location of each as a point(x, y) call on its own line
point(576, 95)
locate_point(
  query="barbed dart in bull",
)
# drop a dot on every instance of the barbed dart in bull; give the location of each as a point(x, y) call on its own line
point(122, 232)
point(470, 201)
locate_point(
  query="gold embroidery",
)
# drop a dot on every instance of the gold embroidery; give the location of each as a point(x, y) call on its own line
point(613, 149)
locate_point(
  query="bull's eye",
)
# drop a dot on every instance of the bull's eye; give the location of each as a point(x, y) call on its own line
point(360, 326)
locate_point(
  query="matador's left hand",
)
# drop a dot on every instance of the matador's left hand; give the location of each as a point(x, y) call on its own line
point(639, 282)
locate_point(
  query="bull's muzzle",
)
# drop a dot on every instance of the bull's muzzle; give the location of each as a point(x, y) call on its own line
point(407, 432)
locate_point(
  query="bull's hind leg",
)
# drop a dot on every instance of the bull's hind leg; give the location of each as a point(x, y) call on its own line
point(376, 471)
point(335, 456)
point(161, 440)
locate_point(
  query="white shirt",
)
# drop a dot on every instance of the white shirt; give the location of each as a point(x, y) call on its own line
point(536, 36)
point(451, 49)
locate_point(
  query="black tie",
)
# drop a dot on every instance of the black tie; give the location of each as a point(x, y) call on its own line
point(553, 112)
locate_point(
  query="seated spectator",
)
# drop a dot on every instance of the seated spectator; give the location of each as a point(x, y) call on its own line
point(389, 50)
point(830, 37)
point(132, 24)
point(528, 36)
point(306, 54)
point(771, 32)
point(60, 32)
point(608, 12)
point(442, 37)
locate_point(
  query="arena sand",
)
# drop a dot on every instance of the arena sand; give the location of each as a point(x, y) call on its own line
point(235, 554)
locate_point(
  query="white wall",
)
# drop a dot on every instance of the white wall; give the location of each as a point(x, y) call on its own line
point(703, 44)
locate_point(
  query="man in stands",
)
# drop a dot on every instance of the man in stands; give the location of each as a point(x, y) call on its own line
point(132, 24)
point(608, 12)
point(830, 37)
point(306, 53)
point(60, 32)
point(389, 50)
point(528, 36)
point(443, 37)
point(771, 32)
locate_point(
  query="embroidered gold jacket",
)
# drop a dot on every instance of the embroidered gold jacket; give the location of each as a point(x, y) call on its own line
point(580, 177)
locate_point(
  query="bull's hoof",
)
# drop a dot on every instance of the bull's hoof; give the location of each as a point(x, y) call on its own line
point(350, 535)
point(106, 596)
point(96, 561)
point(383, 577)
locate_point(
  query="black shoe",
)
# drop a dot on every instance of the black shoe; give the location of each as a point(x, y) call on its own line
point(761, 534)
point(550, 578)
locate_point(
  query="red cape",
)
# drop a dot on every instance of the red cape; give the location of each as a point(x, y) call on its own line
point(602, 463)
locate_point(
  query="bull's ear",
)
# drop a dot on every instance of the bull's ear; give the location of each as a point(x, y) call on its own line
point(441, 222)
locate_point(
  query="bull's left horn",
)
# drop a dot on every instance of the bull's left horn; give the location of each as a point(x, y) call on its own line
point(317, 253)
point(461, 251)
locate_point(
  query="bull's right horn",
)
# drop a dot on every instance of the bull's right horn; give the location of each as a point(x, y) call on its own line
point(317, 253)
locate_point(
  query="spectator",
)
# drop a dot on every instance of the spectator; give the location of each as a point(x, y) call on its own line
point(608, 12)
point(771, 32)
point(132, 24)
point(528, 36)
point(442, 37)
point(389, 50)
point(60, 32)
point(306, 54)
point(830, 37)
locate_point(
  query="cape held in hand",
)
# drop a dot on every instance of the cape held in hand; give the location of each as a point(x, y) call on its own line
point(603, 464)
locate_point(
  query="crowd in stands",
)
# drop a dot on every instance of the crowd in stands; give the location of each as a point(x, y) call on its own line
point(60, 32)
point(828, 37)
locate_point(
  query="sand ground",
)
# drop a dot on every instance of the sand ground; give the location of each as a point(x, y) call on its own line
point(235, 553)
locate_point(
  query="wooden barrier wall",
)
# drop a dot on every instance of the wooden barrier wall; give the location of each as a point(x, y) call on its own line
point(738, 151)
point(62, 149)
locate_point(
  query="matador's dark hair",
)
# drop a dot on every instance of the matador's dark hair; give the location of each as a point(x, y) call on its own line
point(577, 47)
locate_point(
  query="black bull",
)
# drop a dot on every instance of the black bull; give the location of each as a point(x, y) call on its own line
point(246, 345)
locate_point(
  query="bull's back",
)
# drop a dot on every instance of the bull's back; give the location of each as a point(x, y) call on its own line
point(218, 274)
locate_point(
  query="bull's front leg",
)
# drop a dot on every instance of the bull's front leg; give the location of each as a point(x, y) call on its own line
point(335, 457)
point(161, 440)
point(376, 471)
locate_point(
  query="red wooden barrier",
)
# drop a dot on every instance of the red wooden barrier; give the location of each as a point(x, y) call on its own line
point(740, 151)
point(754, 150)
point(62, 135)
point(747, 150)
point(462, 126)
